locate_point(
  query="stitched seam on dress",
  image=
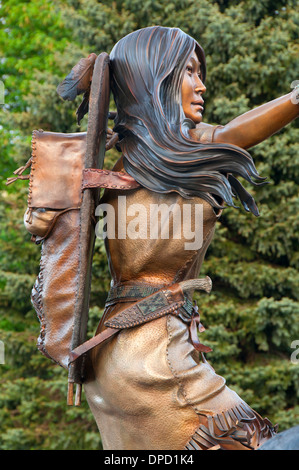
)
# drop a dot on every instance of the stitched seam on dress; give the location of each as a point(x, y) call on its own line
point(169, 336)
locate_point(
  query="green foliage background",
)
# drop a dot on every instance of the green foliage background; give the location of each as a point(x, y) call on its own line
point(252, 53)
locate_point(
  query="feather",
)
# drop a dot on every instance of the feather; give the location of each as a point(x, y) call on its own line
point(78, 80)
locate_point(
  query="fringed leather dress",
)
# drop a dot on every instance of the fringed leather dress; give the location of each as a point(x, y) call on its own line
point(148, 387)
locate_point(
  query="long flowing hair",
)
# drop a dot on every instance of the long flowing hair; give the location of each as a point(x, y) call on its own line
point(147, 73)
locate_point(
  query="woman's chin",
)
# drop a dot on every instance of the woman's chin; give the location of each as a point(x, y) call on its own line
point(197, 119)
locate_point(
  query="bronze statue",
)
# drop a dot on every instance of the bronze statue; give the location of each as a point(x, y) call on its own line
point(150, 386)
point(146, 376)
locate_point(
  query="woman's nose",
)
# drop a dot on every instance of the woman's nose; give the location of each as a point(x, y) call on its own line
point(199, 87)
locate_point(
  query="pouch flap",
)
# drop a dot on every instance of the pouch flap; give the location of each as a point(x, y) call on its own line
point(56, 170)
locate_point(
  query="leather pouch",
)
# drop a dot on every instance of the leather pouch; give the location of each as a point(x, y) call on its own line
point(55, 179)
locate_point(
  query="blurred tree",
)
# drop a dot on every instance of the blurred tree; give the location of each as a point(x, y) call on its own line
point(252, 314)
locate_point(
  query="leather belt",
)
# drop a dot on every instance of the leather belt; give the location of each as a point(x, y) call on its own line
point(131, 293)
point(168, 300)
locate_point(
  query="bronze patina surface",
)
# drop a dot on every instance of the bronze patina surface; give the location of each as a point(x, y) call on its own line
point(150, 387)
point(146, 378)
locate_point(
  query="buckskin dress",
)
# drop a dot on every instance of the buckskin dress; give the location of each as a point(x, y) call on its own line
point(147, 387)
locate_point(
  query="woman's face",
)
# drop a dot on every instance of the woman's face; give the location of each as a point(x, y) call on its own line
point(192, 90)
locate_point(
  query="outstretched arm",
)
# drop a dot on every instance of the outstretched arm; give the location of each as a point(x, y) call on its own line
point(256, 125)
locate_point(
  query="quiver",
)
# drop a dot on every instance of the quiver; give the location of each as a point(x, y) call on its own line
point(65, 176)
point(53, 216)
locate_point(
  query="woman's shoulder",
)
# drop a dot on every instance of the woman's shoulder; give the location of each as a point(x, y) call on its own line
point(203, 132)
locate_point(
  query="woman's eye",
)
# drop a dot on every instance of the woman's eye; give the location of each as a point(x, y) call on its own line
point(189, 69)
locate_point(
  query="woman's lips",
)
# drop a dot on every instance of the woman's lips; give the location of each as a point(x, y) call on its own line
point(198, 105)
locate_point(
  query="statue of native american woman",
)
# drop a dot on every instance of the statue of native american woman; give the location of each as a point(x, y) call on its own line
point(150, 386)
point(146, 377)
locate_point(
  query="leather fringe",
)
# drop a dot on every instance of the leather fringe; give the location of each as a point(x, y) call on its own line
point(37, 302)
point(239, 428)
